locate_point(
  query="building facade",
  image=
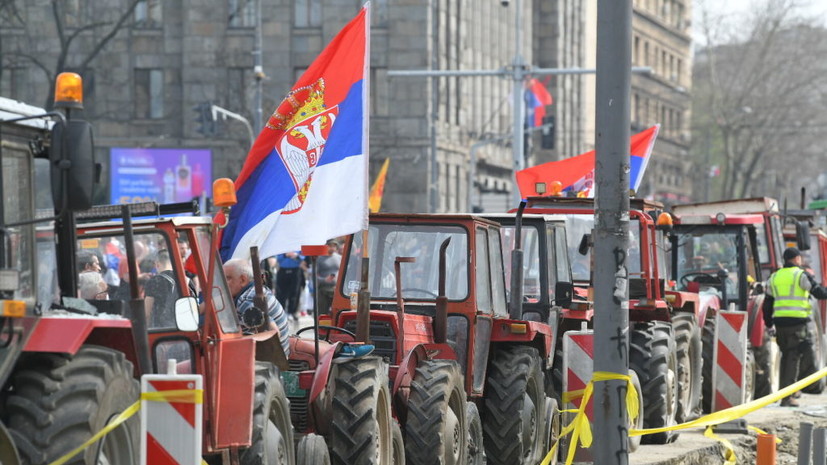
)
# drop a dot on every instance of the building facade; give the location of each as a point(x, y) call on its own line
point(150, 70)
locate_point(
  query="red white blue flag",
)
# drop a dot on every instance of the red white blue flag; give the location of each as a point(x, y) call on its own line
point(536, 97)
point(576, 174)
point(305, 179)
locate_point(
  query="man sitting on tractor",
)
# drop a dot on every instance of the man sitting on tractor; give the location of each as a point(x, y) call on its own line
point(239, 274)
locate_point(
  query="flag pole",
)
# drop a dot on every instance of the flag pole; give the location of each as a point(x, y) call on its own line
point(363, 305)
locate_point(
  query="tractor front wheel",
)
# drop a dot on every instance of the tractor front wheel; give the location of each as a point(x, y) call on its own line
point(515, 407)
point(272, 439)
point(436, 429)
point(652, 356)
point(688, 350)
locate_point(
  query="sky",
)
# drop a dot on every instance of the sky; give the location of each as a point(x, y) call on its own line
point(731, 8)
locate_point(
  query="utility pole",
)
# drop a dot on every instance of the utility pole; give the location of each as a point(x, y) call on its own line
point(519, 71)
point(611, 299)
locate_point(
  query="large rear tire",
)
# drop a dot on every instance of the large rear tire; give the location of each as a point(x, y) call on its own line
point(708, 338)
point(436, 429)
point(59, 401)
point(272, 439)
point(361, 426)
point(764, 368)
point(515, 405)
point(688, 350)
point(652, 356)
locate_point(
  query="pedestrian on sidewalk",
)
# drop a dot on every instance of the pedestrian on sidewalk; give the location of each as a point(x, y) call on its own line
point(326, 273)
point(290, 281)
point(787, 307)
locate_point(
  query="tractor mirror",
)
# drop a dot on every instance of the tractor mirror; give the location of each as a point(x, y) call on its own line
point(563, 294)
point(72, 160)
point(585, 243)
point(186, 314)
point(802, 235)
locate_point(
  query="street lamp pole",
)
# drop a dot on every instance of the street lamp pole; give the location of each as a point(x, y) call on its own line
point(258, 70)
point(518, 76)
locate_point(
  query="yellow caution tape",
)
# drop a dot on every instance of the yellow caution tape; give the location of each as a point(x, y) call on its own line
point(193, 396)
point(729, 450)
point(580, 428)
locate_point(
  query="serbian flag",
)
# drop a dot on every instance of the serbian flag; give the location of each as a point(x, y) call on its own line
point(576, 174)
point(378, 188)
point(305, 178)
point(537, 97)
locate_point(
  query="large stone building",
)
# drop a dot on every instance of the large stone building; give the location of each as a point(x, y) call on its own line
point(166, 58)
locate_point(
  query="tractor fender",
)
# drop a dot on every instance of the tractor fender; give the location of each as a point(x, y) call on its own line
point(686, 301)
point(427, 351)
point(709, 304)
point(64, 335)
point(322, 376)
point(756, 326)
point(534, 333)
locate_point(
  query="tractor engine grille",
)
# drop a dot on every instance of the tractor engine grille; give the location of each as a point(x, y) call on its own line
point(299, 405)
point(382, 337)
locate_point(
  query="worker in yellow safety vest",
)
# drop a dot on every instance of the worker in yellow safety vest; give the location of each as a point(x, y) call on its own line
point(787, 307)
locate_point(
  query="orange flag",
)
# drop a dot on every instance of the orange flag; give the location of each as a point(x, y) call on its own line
point(378, 188)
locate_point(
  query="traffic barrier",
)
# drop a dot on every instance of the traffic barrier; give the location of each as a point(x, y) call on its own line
point(578, 364)
point(729, 360)
point(170, 428)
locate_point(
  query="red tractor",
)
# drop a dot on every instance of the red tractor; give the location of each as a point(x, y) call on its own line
point(665, 339)
point(732, 246)
point(462, 366)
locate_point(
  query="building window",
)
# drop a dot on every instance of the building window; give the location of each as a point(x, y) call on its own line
point(239, 82)
point(307, 13)
point(72, 13)
point(378, 91)
point(379, 13)
point(148, 14)
point(241, 13)
point(16, 84)
point(149, 93)
point(646, 53)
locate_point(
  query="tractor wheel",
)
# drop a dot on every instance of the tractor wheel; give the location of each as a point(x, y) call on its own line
point(476, 451)
point(652, 356)
point(398, 444)
point(819, 352)
point(764, 368)
point(688, 350)
point(436, 430)
point(272, 439)
point(749, 377)
point(634, 441)
point(361, 425)
point(551, 431)
point(708, 338)
point(557, 375)
point(312, 450)
point(515, 406)
point(59, 401)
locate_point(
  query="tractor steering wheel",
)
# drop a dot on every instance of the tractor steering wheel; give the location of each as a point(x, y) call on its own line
point(416, 289)
point(329, 329)
point(700, 278)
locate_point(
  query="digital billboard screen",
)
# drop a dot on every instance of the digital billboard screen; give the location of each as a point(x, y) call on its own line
point(160, 175)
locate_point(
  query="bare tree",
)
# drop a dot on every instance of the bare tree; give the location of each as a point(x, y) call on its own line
point(96, 28)
point(757, 99)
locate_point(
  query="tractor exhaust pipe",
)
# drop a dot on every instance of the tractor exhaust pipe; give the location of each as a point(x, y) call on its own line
point(515, 305)
point(441, 315)
point(400, 301)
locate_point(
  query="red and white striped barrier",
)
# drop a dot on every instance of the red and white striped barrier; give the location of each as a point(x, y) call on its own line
point(578, 365)
point(171, 419)
point(729, 358)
